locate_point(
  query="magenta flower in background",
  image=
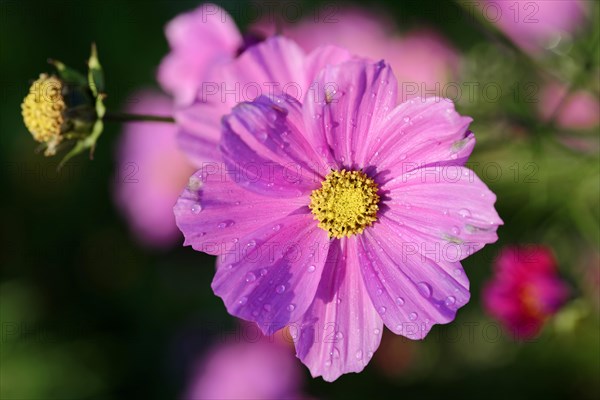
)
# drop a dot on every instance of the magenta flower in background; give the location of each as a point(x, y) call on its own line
point(525, 290)
point(264, 369)
point(151, 172)
point(535, 25)
point(579, 110)
point(341, 214)
point(420, 59)
point(201, 40)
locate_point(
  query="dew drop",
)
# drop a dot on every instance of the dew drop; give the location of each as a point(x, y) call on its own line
point(457, 272)
point(277, 227)
point(196, 208)
point(339, 335)
point(250, 277)
point(455, 230)
point(412, 316)
point(312, 268)
point(463, 212)
point(291, 307)
point(335, 353)
point(243, 300)
point(370, 354)
point(359, 355)
point(425, 289)
point(382, 310)
point(280, 289)
point(251, 243)
point(450, 300)
point(263, 272)
point(400, 301)
point(376, 331)
point(379, 292)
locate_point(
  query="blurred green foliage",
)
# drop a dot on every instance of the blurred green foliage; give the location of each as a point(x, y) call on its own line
point(86, 313)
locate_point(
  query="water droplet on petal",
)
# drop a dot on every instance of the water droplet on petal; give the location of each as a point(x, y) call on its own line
point(425, 289)
point(250, 277)
point(412, 316)
point(457, 272)
point(406, 119)
point(450, 300)
point(376, 331)
point(312, 268)
point(455, 230)
point(277, 227)
point(263, 272)
point(382, 310)
point(359, 354)
point(243, 300)
point(400, 301)
point(379, 292)
point(339, 335)
point(251, 243)
point(291, 307)
point(196, 208)
point(463, 212)
point(280, 289)
point(335, 353)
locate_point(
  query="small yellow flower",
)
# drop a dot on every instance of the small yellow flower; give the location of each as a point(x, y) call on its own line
point(43, 112)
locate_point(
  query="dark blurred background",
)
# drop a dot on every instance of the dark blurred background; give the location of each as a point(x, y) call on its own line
point(88, 313)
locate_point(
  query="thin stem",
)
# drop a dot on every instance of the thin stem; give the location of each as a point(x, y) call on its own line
point(126, 117)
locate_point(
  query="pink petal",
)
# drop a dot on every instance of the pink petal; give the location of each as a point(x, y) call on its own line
point(341, 330)
point(265, 148)
point(200, 40)
point(420, 132)
point(446, 211)
point(410, 291)
point(214, 212)
point(348, 101)
point(271, 275)
point(199, 131)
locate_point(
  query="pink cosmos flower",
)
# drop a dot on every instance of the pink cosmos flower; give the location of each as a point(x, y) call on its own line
point(341, 214)
point(422, 60)
point(525, 290)
point(264, 369)
point(151, 172)
point(534, 25)
point(201, 40)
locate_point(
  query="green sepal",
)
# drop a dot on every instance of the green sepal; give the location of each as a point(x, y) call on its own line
point(95, 74)
point(68, 75)
point(88, 142)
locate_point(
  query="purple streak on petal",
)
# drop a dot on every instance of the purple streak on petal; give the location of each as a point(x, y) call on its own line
point(420, 132)
point(448, 207)
point(271, 275)
point(341, 330)
point(265, 148)
point(349, 100)
point(213, 212)
point(410, 292)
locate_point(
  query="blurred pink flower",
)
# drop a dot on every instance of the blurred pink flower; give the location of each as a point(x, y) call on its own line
point(534, 25)
point(420, 59)
point(151, 172)
point(525, 289)
point(579, 110)
point(200, 40)
point(265, 369)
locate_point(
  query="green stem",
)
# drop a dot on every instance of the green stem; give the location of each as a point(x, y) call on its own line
point(125, 117)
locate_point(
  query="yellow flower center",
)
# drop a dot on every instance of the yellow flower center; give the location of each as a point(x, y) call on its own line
point(346, 203)
point(43, 109)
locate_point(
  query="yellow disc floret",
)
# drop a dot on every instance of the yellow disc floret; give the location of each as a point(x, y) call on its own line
point(43, 110)
point(346, 203)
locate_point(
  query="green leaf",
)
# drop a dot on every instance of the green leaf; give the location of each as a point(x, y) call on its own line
point(69, 75)
point(95, 74)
